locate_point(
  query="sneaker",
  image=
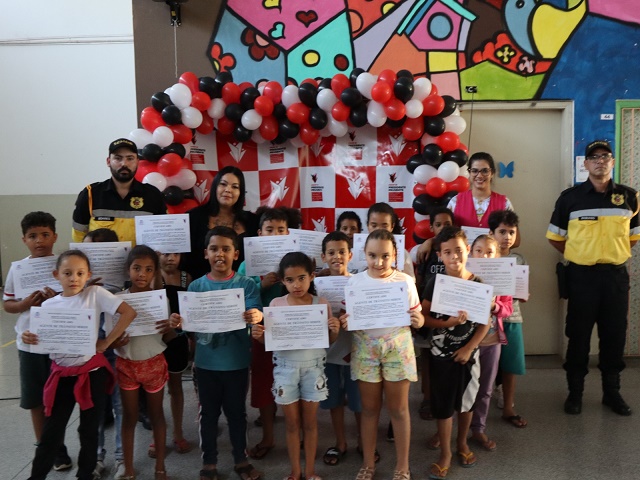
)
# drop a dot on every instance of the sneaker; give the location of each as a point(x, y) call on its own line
point(390, 436)
point(97, 472)
point(119, 470)
point(499, 396)
point(63, 460)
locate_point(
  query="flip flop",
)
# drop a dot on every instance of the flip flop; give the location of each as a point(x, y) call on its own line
point(258, 452)
point(333, 455)
point(516, 420)
point(467, 460)
point(488, 444)
point(437, 472)
point(248, 472)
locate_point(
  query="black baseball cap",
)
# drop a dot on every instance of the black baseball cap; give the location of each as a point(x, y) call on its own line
point(123, 143)
point(597, 144)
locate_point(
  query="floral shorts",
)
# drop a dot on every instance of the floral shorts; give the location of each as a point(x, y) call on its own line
point(390, 357)
point(150, 374)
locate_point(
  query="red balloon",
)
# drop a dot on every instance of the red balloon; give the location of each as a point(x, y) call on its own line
point(419, 189)
point(190, 80)
point(464, 148)
point(145, 167)
point(413, 128)
point(263, 105)
point(298, 113)
point(388, 76)
point(269, 128)
point(186, 163)
point(206, 127)
point(201, 101)
point(394, 109)
point(436, 187)
point(150, 119)
point(183, 207)
point(273, 90)
point(226, 126)
point(181, 133)
point(460, 184)
point(244, 85)
point(340, 111)
point(338, 83)
point(231, 93)
point(434, 89)
point(432, 105)
point(423, 229)
point(312, 81)
point(448, 141)
point(170, 164)
point(381, 92)
point(308, 134)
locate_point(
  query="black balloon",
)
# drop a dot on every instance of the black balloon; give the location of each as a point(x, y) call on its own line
point(173, 195)
point(418, 240)
point(449, 105)
point(424, 203)
point(279, 111)
point(160, 100)
point(358, 115)
point(434, 126)
point(414, 162)
point(171, 115)
point(351, 97)
point(234, 111)
point(403, 89)
point(446, 198)
point(209, 86)
point(224, 77)
point(307, 92)
point(151, 152)
point(248, 97)
point(396, 123)
point(432, 154)
point(318, 118)
point(279, 139)
point(288, 128)
point(458, 156)
point(405, 74)
point(324, 83)
point(355, 73)
point(242, 134)
point(177, 148)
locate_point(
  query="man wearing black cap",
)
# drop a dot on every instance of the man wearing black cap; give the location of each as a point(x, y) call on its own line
point(114, 203)
point(594, 225)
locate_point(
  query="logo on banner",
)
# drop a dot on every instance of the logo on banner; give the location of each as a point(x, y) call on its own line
point(319, 224)
point(396, 192)
point(316, 148)
point(397, 144)
point(401, 222)
point(236, 151)
point(355, 147)
point(279, 189)
point(316, 189)
point(276, 154)
point(355, 186)
point(196, 155)
point(200, 191)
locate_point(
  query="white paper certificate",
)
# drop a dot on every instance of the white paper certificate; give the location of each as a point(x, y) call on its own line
point(296, 328)
point(164, 233)
point(310, 242)
point(216, 311)
point(33, 274)
point(522, 282)
point(381, 306)
point(107, 260)
point(262, 255)
point(150, 306)
point(61, 330)
point(332, 288)
point(497, 272)
point(452, 294)
point(474, 232)
point(360, 260)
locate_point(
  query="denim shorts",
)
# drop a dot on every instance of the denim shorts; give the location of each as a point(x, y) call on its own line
point(295, 380)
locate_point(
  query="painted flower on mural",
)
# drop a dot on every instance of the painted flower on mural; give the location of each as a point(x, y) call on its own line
point(526, 65)
point(504, 52)
point(259, 47)
point(222, 62)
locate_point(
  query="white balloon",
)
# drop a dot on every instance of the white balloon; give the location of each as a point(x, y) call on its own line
point(140, 137)
point(375, 114)
point(414, 253)
point(290, 95)
point(185, 179)
point(456, 113)
point(156, 179)
point(180, 95)
point(338, 129)
point(421, 88)
point(162, 136)
point(216, 110)
point(256, 137)
point(413, 108)
point(251, 119)
point(365, 82)
point(325, 132)
point(326, 99)
point(418, 217)
point(455, 124)
point(448, 171)
point(191, 117)
point(423, 173)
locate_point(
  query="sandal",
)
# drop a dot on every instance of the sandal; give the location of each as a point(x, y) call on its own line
point(160, 475)
point(314, 477)
point(182, 446)
point(425, 410)
point(437, 472)
point(209, 474)
point(486, 443)
point(248, 472)
point(152, 451)
point(333, 455)
point(365, 473)
point(516, 420)
point(258, 452)
point(467, 460)
point(376, 454)
point(434, 442)
point(398, 475)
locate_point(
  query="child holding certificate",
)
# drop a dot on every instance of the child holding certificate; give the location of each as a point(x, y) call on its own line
point(383, 360)
point(222, 359)
point(454, 364)
point(77, 378)
point(299, 381)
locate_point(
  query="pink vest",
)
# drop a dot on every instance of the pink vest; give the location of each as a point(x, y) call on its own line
point(465, 212)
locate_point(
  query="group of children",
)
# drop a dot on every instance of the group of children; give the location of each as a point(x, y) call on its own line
point(361, 368)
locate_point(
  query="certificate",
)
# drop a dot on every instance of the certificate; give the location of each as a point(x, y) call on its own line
point(262, 255)
point(332, 288)
point(381, 306)
point(474, 232)
point(310, 242)
point(216, 311)
point(164, 233)
point(497, 272)
point(107, 260)
point(33, 274)
point(296, 328)
point(62, 330)
point(150, 306)
point(522, 282)
point(452, 294)
point(359, 258)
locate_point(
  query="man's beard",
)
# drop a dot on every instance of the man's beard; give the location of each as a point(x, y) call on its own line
point(122, 175)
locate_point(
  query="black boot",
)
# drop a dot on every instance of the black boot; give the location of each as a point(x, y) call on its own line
point(573, 403)
point(611, 394)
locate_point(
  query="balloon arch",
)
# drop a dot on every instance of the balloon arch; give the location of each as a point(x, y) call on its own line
point(301, 115)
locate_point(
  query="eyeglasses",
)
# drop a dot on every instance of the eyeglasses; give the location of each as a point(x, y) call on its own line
point(476, 171)
point(603, 156)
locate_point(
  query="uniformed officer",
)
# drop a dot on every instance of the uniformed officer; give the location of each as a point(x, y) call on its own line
point(114, 203)
point(594, 225)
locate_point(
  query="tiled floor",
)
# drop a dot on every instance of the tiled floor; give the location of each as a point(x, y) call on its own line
point(595, 445)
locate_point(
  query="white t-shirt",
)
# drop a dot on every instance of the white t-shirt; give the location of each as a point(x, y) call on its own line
point(363, 279)
point(22, 324)
point(91, 297)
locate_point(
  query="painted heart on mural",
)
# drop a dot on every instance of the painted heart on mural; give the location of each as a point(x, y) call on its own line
point(271, 4)
point(307, 18)
point(277, 31)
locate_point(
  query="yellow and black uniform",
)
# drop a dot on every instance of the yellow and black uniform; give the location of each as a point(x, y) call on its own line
point(597, 228)
point(100, 206)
